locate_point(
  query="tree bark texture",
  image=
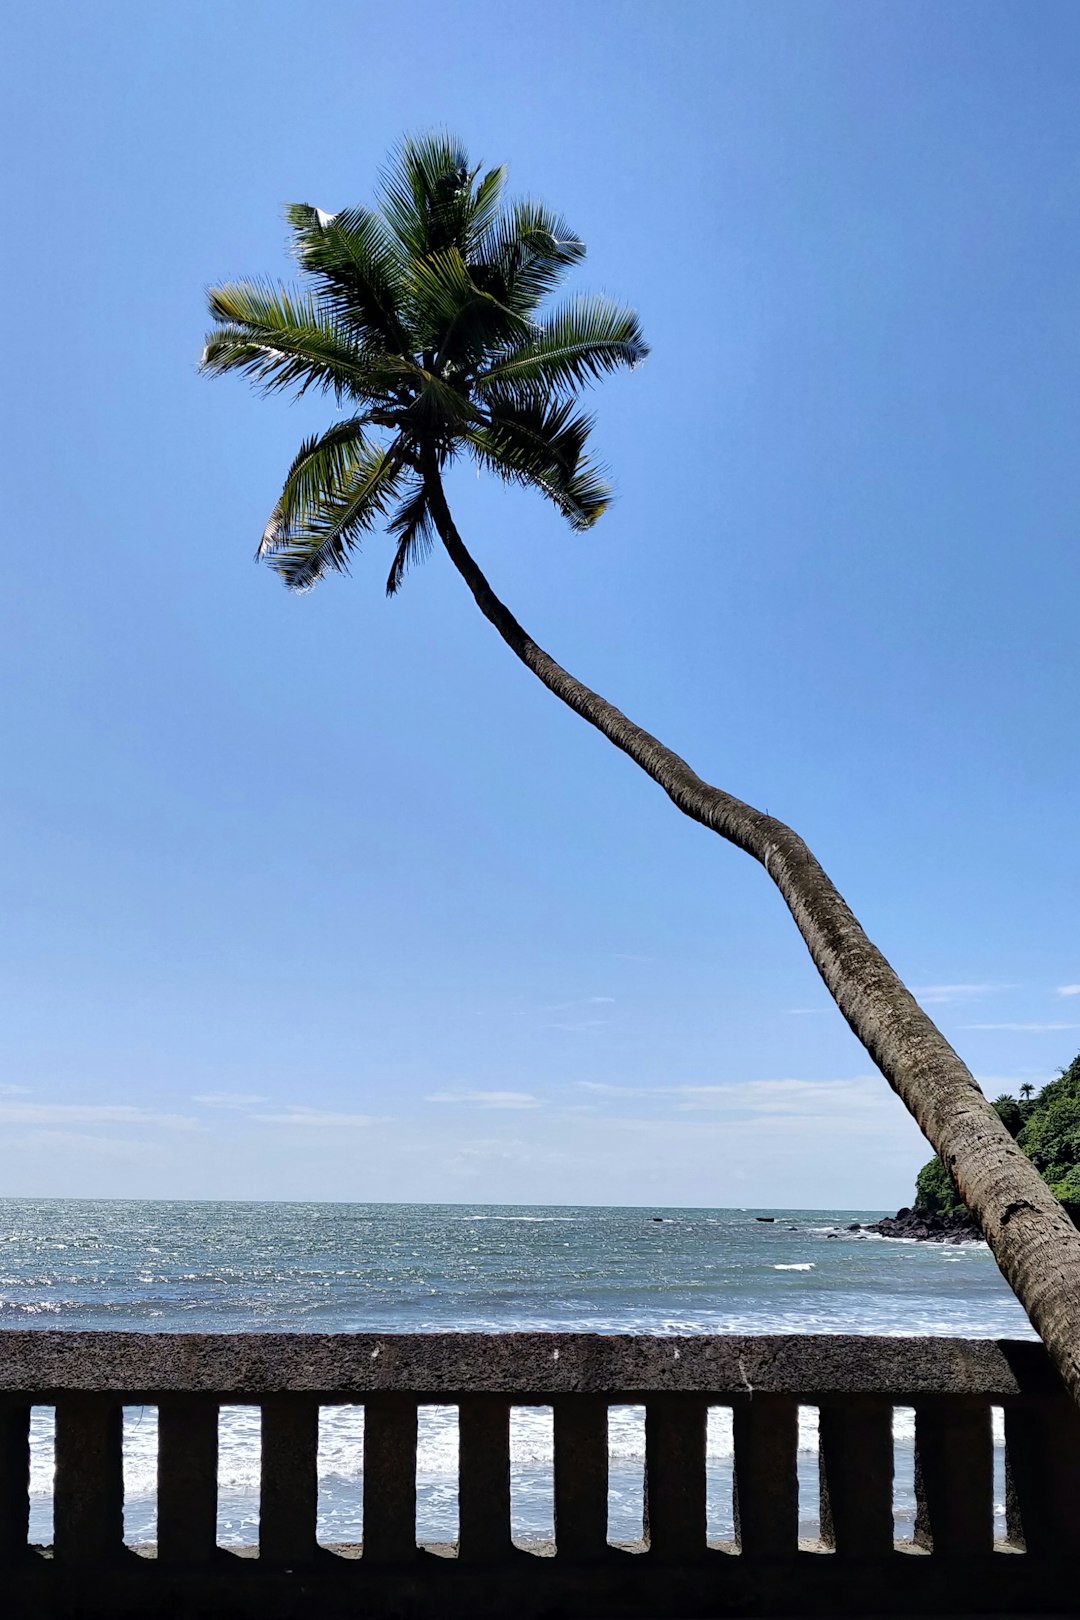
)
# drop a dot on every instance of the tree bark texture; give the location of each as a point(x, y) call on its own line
point(1033, 1240)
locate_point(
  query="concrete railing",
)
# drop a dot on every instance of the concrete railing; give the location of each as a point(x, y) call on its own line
point(952, 1565)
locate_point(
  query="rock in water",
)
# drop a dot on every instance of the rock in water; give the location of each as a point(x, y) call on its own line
point(926, 1226)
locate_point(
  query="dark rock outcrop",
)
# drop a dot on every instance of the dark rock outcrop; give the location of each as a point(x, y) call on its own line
point(927, 1227)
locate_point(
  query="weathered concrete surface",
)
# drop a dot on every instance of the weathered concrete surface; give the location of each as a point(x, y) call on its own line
point(519, 1365)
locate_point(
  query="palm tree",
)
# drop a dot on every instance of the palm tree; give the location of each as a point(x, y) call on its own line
point(424, 319)
point(1027, 1090)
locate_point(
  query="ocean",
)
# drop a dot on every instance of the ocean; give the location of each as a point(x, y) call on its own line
point(338, 1268)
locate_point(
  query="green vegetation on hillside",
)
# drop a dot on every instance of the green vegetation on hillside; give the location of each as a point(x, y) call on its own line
point(1047, 1127)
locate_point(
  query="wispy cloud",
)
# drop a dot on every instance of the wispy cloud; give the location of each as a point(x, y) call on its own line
point(44, 1115)
point(581, 1001)
point(1069, 989)
point(307, 1118)
point(801, 1098)
point(14, 1091)
point(90, 1149)
point(1032, 1029)
point(939, 993)
point(486, 1099)
point(229, 1099)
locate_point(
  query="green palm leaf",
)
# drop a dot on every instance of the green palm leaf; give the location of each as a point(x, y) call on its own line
point(525, 255)
point(578, 343)
point(322, 523)
point(430, 198)
point(282, 341)
point(323, 462)
point(454, 317)
point(414, 530)
point(357, 269)
point(543, 445)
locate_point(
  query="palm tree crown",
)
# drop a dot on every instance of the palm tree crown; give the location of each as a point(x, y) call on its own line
point(424, 315)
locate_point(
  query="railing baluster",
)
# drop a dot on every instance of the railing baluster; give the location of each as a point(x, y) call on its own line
point(88, 1511)
point(675, 1434)
point(484, 1477)
point(14, 1480)
point(1042, 1462)
point(581, 1476)
point(390, 1478)
point(289, 1486)
point(187, 1478)
point(954, 1478)
point(856, 1472)
point(766, 1476)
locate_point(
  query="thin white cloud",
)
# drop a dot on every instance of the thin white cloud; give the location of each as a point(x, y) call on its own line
point(792, 1098)
point(851, 1144)
point(1069, 989)
point(229, 1099)
point(14, 1091)
point(65, 1114)
point(90, 1149)
point(309, 1117)
point(486, 1099)
point(581, 1001)
point(1032, 1029)
point(939, 993)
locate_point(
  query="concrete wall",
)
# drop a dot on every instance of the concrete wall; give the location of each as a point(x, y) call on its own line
point(953, 1565)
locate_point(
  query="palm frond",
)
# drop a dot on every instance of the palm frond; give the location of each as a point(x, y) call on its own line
point(428, 199)
point(525, 255)
point(484, 207)
point(324, 462)
point(579, 343)
point(357, 268)
point(281, 340)
point(543, 445)
point(318, 536)
point(415, 531)
point(454, 317)
point(585, 498)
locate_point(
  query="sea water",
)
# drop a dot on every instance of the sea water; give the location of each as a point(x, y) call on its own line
point(338, 1268)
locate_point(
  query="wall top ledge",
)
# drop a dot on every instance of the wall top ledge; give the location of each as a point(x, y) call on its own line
point(340, 1366)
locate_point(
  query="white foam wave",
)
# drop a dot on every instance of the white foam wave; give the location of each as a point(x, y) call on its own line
point(341, 1441)
point(801, 1265)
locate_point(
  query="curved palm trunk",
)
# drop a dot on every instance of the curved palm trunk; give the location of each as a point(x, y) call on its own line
point(1033, 1240)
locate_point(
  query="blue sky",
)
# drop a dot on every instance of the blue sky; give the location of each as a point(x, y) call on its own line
point(324, 896)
